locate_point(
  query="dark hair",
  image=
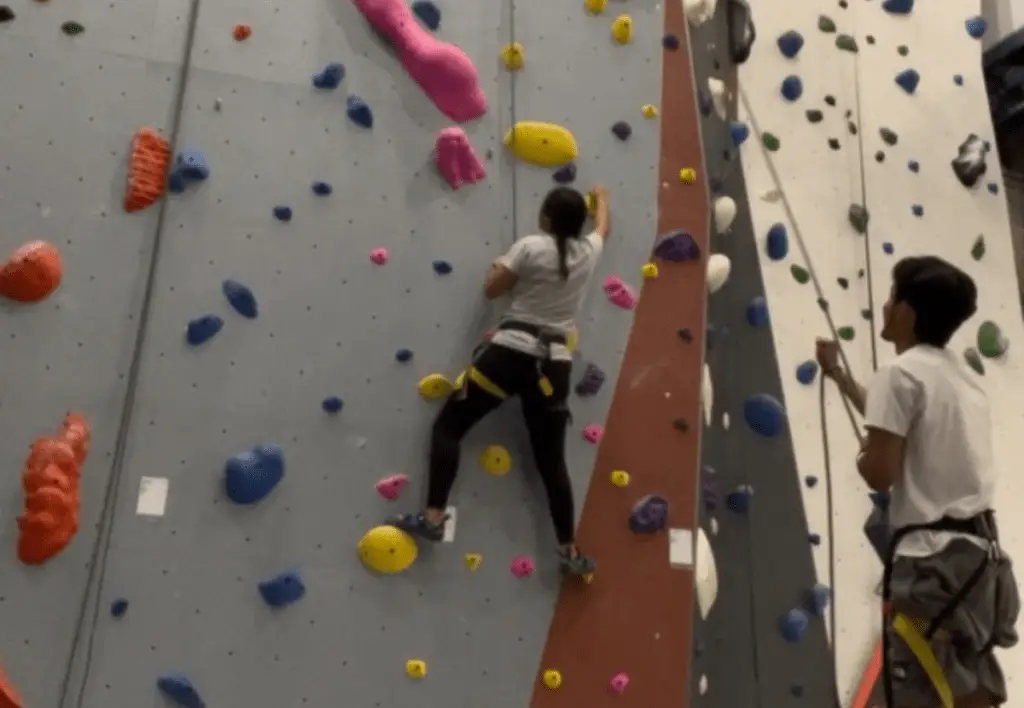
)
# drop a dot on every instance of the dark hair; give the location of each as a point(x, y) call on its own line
point(941, 295)
point(566, 212)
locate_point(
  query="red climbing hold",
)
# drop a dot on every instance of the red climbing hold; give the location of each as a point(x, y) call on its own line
point(31, 273)
point(9, 698)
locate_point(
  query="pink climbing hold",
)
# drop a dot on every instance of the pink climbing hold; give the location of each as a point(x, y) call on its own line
point(379, 256)
point(619, 683)
point(593, 433)
point(455, 158)
point(442, 70)
point(522, 566)
point(391, 487)
point(619, 294)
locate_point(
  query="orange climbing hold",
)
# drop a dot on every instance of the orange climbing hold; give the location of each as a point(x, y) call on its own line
point(241, 32)
point(50, 483)
point(8, 696)
point(147, 169)
point(31, 273)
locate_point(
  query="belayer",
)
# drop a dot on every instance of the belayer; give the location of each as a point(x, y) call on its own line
point(929, 449)
point(547, 274)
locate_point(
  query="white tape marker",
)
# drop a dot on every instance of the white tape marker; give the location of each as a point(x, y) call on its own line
point(680, 548)
point(152, 496)
point(449, 525)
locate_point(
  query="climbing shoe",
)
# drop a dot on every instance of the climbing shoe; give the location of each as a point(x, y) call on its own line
point(575, 563)
point(417, 525)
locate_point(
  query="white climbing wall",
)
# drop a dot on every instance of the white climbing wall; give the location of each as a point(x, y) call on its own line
point(819, 182)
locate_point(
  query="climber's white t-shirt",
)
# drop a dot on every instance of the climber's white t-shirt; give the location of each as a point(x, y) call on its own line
point(930, 398)
point(540, 296)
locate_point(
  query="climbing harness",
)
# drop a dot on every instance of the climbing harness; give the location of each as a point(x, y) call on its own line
point(545, 338)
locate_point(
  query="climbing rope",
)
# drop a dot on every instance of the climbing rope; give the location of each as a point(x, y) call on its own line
point(98, 558)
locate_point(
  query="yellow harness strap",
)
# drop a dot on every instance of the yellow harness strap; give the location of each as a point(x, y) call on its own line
point(908, 631)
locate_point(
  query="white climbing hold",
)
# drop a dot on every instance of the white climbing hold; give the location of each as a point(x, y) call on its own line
point(714, 526)
point(725, 213)
point(707, 575)
point(702, 685)
point(771, 196)
point(719, 267)
point(707, 395)
point(699, 11)
point(719, 97)
point(725, 421)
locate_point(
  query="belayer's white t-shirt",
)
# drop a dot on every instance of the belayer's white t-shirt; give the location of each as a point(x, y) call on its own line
point(930, 398)
point(540, 296)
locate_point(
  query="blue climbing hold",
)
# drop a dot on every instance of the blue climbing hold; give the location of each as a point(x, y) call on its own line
point(180, 690)
point(442, 267)
point(240, 298)
point(203, 329)
point(119, 607)
point(332, 404)
point(739, 132)
point(670, 42)
point(283, 589)
point(765, 415)
point(283, 213)
point(677, 247)
point(358, 112)
point(888, 248)
point(958, 79)
point(794, 625)
point(322, 189)
point(976, 26)
point(565, 174)
point(777, 243)
point(738, 500)
point(913, 166)
point(993, 188)
point(251, 475)
point(898, 7)
point(790, 43)
point(792, 88)
point(189, 166)
point(818, 599)
point(807, 372)
point(428, 13)
point(917, 210)
point(908, 80)
point(330, 77)
point(403, 355)
point(757, 312)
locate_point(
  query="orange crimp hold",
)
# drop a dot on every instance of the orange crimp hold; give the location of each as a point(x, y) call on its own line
point(241, 32)
point(31, 273)
point(147, 169)
point(8, 696)
point(50, 481)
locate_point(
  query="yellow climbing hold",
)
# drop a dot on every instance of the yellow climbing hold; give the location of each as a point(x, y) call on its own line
point(552, 679)
point(541, 144)
point(459, 380)
point(416, 668)
point(512, 56)
point(433, 386)
point(620, 478)
point(572, 338)
point(687, 175)
point(622, 29)
point(387, 550)
point(649, 111)
point(591, 203)
point(496, 460)
point(649, 270)
point(472, 560)
point(595, 7)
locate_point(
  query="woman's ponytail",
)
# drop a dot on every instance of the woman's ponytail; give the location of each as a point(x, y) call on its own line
point(563, 264)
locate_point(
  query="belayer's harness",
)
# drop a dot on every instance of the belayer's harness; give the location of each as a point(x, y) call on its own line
point(545, 338)
point(981, 526)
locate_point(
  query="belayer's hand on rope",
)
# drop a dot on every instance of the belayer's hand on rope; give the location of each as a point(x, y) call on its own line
point(826, 351)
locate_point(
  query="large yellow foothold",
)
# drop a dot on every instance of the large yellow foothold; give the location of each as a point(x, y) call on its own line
point(620, 478)
point(687, 175)
point(649, 111)
point(622, 29)
point(595, 7)
point(541, 144)
point(416, 668)
point(387, 550)
point(496, 460)
point(512, 56)
point(552, 679)
point(649, 270)
point(433, 386)
point(472, 560)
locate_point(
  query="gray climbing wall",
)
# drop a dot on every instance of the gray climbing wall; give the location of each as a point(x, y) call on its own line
point(330, 323)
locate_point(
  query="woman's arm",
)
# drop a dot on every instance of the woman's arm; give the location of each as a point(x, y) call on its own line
point(600, 211)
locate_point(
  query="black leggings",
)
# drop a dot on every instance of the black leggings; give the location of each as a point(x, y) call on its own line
point(547, 417)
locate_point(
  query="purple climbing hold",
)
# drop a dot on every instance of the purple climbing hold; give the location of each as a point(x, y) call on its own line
point(251, 475)
point(591, 382)
point(792, 88)
point(908, 80)
point(898, 7)
point(777, 243)
point(677, 246)
point(177, 688)
point(790, 43)
point(976, 26)
point(649, 515)
point(888, 248)
point(283, 589)
point(794, 625)
point(765, 415)
point(203, 329)
point(622, 130)
point(670, 42)
point(565, 174)
point(283, 213)
point(240, 298)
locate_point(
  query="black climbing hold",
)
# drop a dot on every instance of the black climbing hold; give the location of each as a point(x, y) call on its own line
point(283, 589)
point(807, 372)
point(710, 496)
point(992, 187)
point(814, 115)
point(403, 355)
point(251, 475)
point(240, 298)
point(591, 381)
point(649, 515)
point(833, 143)
point(738, 501)
point(740, 24)
point(790, 43)
point(322, 189)
point(792, 88)
point(908, 80)
point(978, 249)
point(765, 415)
point(958, 80)
point(670, 42)
point(442, 267)
point(823, 304)
point(119, 607)
point(428, 13)
point(681, 425)
point(685, 334)
point(677, 247)
point(330, 77)
point(969, 164)
point(898, 7)
point(879, 156)
point(852, 127)
point(913, 166)
point(332, 404)
point(283, 213)
point(870, 39)
point(757, 312)
point(814, 539)
point(796, 690)
point(858, 217)
point(704, 103)
point(903, 50)
point(794, 625)
point(825, 24)
point(698, 648)
point(843, 283)
point(917, 210)
point(72, 28)
point(565, 174)
point(843, 4)
point(888, 137)
point(860, 272)
point(358, 112)
point(777, 242)
point(866, 314)
point(622, 130)
point(811, 481)
point(715, 184)
point(6, 14)
point(177, 688)
point(203, 329)
point(976, 26)
point(846, 43)
point(739, 132)
point(830, 100)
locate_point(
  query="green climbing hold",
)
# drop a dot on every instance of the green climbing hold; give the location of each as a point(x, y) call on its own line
point(858, 217)
point(991, 342)
point(800, 275)
point(72, 28)
point(903, 50)
point(825, 24)
point(888, 137)
point(974, 360)
point(770, 142)
point(847, 43)
point(846, 333)
point(978, 249)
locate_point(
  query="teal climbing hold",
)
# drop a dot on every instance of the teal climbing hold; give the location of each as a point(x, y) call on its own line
point(764, 415)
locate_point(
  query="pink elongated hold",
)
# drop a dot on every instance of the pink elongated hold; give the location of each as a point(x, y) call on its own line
point(618, 683)
point(455, 158)
point(391, 487)
point(619, 294)
point(442, 70)
point(379, 256)
point(593, 433)
point(522, 566)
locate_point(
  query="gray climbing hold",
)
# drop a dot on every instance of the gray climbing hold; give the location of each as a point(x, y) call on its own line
point(678, 246)
point(858, 217)
point(792, 88)
point(992, 343)
point(974, 361)
point(790, 43)
point(888, 137)
point(777, 242)
point(846, 43)
point(622, 130)
point(908, 80)
point(969, 164)
point(825, 24)
point(978, 249)
point(814, 115)
point(898, 7)
point(178, 689)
